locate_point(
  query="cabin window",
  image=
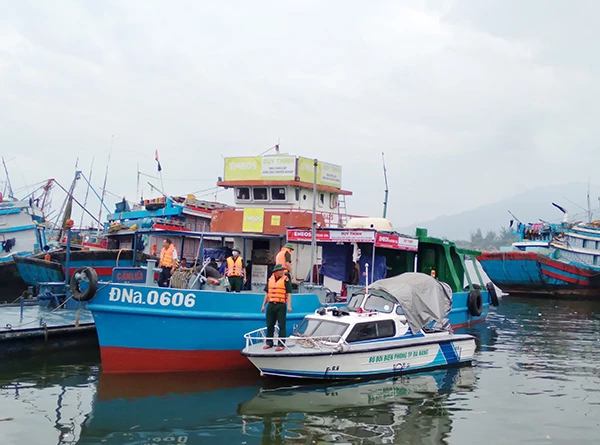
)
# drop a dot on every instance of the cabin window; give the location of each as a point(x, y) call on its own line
point(333, 201)
point(379, 304)
point(372, 331)
point(297, 194)
point(319, 328)
point(321, 199)
point(242, 193)
point(587, 244)
point(355, 301)
point(260, 194)
point(304, 197)
point(278, 194)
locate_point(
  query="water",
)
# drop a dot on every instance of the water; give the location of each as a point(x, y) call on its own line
point(536, 379)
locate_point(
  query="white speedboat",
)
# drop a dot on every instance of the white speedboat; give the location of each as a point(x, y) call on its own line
point(398, 325)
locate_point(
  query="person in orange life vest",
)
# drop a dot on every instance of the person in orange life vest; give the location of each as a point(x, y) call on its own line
point(235, 271)
point(47, 257)
point(167, 263)
point(278, 293)
point(284, 257)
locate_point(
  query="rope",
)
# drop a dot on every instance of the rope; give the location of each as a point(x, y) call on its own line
point(119, 256)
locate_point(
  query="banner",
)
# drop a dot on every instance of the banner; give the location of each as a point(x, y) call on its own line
point(385, 241)
point(253, 220)
point(281, 167)
point(259, 275)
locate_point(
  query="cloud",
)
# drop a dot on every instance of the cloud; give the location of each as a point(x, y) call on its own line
point(470, 102)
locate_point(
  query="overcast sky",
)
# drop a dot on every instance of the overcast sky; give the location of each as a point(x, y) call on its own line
point(472, 101)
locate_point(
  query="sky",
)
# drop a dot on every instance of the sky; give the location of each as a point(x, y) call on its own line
point(472, 101)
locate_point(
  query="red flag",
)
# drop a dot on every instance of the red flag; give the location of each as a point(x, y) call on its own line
point(157, 161)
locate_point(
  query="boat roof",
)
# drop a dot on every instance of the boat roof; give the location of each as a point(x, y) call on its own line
point(194, 234)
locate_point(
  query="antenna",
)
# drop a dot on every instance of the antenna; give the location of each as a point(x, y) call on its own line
point(87, 191)
point(589, 209)
point(104, 186)
point(385, 201)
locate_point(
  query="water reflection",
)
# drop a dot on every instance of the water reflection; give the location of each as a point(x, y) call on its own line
point(412, 409)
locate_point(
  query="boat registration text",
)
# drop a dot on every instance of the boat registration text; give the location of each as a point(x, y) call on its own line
point(152, 298)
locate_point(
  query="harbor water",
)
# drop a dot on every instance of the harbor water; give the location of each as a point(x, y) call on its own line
point(535, 379)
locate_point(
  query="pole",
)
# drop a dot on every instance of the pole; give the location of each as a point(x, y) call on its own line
point(313, 238)
point(87, 192)
point(373, 265)
point(385, 200)
point(68, 255)
point(104, 186)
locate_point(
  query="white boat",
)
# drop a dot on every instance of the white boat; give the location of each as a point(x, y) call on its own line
point(398, 326)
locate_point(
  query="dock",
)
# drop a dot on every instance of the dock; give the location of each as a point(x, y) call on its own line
point(27, 329)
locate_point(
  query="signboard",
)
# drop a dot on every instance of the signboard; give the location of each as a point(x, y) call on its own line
point(327, 174)
point(254, 219)
point(386, 241)
point(275, 220)
point(281, 167)
point(259, 275)
point(128, 275)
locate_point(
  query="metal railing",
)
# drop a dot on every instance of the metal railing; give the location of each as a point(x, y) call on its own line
point(331, 342)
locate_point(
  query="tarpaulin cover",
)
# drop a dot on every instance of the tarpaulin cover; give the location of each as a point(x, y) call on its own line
point(422, 298)
point(336, 261)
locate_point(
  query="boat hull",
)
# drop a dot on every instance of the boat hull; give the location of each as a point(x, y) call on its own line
point(150, 329)
point(398, 357)
point(530, 273)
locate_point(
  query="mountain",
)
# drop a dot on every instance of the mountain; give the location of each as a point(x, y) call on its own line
point(529, 206)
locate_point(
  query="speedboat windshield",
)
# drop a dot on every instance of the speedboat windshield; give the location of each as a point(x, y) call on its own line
point(311, 327)
point(379, 304)
point(355, 301)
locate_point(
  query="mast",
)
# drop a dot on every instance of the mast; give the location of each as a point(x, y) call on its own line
point(385, 201)
point(8, 186)
point(87, 192)
point(104, 186)
point(313, 238)
point(589, 208)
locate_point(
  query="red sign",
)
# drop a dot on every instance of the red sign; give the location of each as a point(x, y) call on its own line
point(355, 236)
point(396, 242)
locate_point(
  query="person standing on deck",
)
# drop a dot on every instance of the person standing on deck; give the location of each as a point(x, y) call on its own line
point(284, 258)
point(47, 256)
point(168, 263)
point(235, 270)
point(278, 294)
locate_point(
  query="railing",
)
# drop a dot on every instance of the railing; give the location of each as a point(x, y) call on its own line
point(332, 342)
point(331, 219)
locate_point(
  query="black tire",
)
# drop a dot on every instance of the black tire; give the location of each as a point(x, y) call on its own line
point(475, 303)
point(92, 278)
point(493, 295)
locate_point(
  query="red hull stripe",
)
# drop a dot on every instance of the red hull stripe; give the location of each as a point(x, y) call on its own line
point(508, 256)
point(101, 271)
point(565, 267)
point(117, 360)
point(582, 281)
point(467, 324)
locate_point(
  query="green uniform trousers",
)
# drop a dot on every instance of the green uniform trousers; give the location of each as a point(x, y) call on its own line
point(276, 312)
point(235, 284)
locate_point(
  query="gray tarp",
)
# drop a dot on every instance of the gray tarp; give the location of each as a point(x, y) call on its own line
point(422, 298)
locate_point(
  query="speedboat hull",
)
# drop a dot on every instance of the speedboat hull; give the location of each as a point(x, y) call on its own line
point(301, 359)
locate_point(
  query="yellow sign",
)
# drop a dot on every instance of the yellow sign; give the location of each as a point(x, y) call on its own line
point(265, 168)
point(275, 220)
point(253, 220)
point(327, 174)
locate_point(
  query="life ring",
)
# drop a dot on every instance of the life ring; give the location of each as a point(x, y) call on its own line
point(475, 303)
point(493, 295)
point(84, 274)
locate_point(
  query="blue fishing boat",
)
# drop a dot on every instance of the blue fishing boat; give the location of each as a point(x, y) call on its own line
point(568, 264)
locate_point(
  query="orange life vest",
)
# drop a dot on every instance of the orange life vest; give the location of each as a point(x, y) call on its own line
point(277, 292)
point(234, 266)
point(166, 256)
point(280, 258)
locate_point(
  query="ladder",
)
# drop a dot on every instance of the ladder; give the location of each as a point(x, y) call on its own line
point(342, 212)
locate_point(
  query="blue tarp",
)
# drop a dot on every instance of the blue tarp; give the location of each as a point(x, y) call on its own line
point(380, 268)
point(336, 261)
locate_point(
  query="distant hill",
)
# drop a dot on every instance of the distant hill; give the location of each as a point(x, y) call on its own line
point(529, 206)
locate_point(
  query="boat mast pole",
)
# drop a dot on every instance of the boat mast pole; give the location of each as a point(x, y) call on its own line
point(8, 186)
point(104, 186)
point(385, 201)
point(87, 192)
point(313, 238)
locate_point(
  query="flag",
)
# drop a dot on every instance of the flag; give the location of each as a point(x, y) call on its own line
point(157, 161)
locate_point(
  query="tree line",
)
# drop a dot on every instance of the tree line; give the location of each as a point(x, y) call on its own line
point(492, 240)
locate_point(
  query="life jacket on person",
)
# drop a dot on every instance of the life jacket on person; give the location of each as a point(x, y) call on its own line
point(166, 256)
point(276, 291)
point(235, 266)
point(280, 258)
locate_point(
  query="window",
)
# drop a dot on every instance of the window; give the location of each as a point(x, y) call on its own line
point(297, 194)
point(333, 201)
point(379, 304)
point(278, 194)
point(372, 331)
point(317, 328)
point(242, 193)
point(260, 194)
point(321, 199)
point(355, 301)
